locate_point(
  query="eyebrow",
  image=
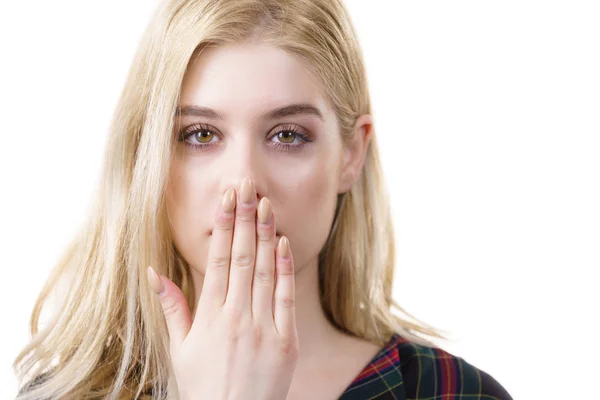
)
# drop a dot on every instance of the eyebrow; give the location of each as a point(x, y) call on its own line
point(292, 109)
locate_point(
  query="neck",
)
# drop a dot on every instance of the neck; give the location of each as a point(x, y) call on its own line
point(316, 335)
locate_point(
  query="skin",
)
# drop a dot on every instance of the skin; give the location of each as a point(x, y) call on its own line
point(242, 83)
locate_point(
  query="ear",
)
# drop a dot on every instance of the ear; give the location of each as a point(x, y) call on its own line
point(355, 152)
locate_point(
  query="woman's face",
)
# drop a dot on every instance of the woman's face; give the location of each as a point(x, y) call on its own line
point(294, 156)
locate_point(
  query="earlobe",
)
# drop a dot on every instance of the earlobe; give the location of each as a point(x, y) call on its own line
point(346, 182)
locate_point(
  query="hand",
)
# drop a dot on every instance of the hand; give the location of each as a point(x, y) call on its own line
point(243, 342)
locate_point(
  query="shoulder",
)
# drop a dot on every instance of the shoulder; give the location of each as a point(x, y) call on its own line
point(430, 372)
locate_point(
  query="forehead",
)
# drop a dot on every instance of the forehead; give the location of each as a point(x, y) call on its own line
point(250, 78)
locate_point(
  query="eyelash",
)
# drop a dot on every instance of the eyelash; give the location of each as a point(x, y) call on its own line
point(283, 147)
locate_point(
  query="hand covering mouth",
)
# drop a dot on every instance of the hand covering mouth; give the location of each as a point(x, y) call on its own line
point(277, 234)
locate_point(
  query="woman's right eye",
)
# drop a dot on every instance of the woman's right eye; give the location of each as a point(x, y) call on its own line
point(200, 135)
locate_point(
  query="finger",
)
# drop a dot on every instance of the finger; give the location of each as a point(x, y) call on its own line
point(174, 305)
point(285, 297)
point(243, 250)
point(264, 268)
point(214, 287)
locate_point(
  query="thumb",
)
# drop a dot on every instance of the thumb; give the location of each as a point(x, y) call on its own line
point(174, 305)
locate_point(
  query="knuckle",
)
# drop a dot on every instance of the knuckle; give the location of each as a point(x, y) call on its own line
point(223, 227)
point(245, 214)
point(225, 222)
point(287, 302)
point(218, 262)
point(243, 260)
point(258, 335)
point(265, 237)
point(234, 318)
point(170, 308)
point(263, 276)
point(285, 267)
point(232, 334)
point(288, 347)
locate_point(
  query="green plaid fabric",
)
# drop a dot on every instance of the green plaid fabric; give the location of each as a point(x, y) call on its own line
point(404, 370)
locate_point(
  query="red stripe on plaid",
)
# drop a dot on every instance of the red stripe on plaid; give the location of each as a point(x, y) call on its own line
point(388, 358)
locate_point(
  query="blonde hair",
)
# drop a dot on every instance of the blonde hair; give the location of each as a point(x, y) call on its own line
point(108, 339)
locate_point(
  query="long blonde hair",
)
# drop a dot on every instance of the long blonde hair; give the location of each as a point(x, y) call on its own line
point(108, 338)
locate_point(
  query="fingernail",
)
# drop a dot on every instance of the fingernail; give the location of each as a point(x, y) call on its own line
point(155, 283)
point(247, 193)
point(283, 249)
point(264, 211)
point(228, 202)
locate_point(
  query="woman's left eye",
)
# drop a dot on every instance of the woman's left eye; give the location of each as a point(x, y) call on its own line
point(285, 136)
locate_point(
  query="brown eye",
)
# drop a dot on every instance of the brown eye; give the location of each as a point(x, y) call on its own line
point(203, 135)
point(285, 135)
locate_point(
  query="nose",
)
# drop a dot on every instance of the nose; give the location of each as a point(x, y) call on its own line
point(241, 161)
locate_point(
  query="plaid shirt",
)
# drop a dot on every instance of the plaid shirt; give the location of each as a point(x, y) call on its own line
point(404, 370)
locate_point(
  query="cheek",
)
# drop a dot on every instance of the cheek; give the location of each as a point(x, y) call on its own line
point(188, 217)
point(314, 199)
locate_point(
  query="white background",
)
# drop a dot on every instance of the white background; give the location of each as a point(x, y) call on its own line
point(488, 116)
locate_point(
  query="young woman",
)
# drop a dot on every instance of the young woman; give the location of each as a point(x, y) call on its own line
point(240, 246)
